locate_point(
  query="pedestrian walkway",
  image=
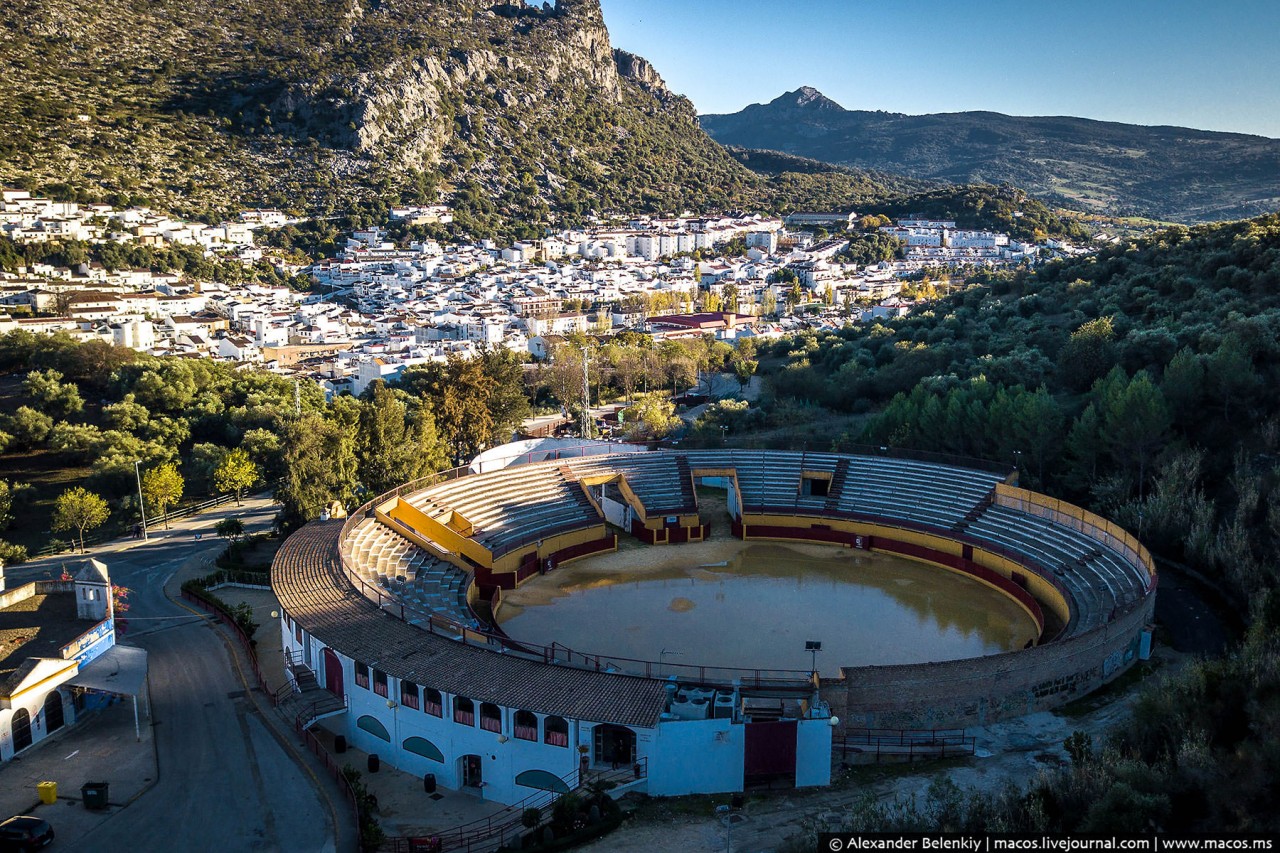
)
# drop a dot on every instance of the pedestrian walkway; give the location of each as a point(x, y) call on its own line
point(405, 808)
point(256, 511)
point(102, 747)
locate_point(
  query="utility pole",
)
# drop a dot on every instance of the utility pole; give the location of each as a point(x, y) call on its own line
point(142, 507)
point(586, 397)
point(297, 399)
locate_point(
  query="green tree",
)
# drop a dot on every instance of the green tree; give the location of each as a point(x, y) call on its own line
point(1088, 354)
point(79, 509)
point(10, 492)
point(651, 416)
point(29, 427)
point(80, 439)
point(264, 448)
point(393, 447)
point(229, 528)
point(56, 398)
point(730, 297)
point(1183, 387)
point(162, 488)
point(1136, 426)
point(1229, 375)
point(319, 463)
point(235, 473)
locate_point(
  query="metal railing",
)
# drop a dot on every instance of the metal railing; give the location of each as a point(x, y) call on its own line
point(490, 833)
point(555, 653)
point(245, 641)
point(926, 743)
point(106, 536)
point(316, 748)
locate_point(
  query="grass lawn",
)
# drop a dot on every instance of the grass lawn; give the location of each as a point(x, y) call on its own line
point(49, 474)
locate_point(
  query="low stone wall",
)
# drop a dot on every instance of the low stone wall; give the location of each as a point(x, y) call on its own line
point(977, 691)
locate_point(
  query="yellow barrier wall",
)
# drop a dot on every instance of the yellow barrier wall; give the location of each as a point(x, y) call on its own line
point(510, 561)
point(1040, 589)
point(438, 532)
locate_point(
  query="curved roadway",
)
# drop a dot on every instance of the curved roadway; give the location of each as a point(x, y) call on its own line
point(227, 780)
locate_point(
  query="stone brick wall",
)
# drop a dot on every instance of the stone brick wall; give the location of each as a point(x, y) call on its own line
point(977, 691)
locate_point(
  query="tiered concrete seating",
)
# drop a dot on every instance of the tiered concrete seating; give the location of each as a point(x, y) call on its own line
point(1100, 579)
point(421, 581)
point(659, 480)
point(513, 507)
point(895, 489)
point(925, 493)
point(517, 506)
point(382, 555)
point(439, 588)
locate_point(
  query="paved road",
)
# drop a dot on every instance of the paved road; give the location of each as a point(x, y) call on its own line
point(226, 782)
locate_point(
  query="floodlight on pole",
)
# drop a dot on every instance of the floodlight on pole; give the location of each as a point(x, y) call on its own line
point(813, 647)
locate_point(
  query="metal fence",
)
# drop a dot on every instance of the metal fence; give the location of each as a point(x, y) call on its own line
point(106, 536)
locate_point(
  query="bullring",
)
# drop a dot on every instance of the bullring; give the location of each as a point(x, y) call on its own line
point(382, 614)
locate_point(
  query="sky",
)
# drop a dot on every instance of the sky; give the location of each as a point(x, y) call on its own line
point(1208, 65)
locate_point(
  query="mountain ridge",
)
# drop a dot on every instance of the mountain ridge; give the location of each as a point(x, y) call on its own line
point(516, 115)
point(1163, 171)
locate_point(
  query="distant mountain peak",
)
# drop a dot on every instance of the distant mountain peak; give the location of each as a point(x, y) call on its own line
point(806, 97)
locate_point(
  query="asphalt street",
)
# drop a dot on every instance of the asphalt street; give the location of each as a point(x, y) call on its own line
point(226, 782)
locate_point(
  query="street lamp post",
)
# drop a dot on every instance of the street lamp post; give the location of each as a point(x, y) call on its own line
point(142, 507)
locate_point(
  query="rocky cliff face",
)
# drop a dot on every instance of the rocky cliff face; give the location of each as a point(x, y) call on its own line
point(312, 103)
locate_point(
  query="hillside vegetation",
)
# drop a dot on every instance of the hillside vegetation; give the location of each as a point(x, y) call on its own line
point(1169, 173)
point(1145, 383)
point(512, 113)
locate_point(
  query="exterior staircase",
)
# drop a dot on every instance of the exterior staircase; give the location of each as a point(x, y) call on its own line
point(302, 700)
point(836, 488)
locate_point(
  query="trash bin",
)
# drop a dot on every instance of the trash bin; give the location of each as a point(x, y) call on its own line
point(48, 792)
point(94, 795)
point(339, 744)
point(375, 763)
point(429, 783)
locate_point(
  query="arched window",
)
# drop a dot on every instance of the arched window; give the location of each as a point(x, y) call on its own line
point(526, 725)
point(21, 725)
point(464, 711)
point(53, 717)
point(557, 731)
point(490, 717)
point(432, 703)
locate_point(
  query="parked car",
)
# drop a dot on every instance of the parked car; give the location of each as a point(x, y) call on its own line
point(24, 832)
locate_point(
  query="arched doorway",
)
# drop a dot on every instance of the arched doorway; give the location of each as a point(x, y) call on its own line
point(615, 745)
point(472, 771)
point(21, 726)
point(53, 716)
point(333, 673)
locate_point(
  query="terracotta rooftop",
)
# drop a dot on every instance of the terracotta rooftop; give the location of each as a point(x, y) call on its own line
point(308, 579)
